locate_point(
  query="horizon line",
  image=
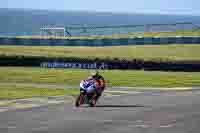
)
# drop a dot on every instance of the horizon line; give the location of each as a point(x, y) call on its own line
point(106, 12)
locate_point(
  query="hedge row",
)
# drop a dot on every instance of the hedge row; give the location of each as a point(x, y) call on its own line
point(138, 64)
point(99, 42)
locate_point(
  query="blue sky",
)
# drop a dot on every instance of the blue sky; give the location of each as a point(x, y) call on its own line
point(126, 6)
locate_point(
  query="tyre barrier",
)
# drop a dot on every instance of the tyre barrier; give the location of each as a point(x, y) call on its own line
point(99, 42)
point(80, 63)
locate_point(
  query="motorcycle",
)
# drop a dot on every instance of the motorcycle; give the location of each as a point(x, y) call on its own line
point(87, 94)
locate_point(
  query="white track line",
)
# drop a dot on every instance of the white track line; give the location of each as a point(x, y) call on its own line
point(123, 92)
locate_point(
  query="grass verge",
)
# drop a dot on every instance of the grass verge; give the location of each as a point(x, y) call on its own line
point(146, 52)
point(15, 92)
point(114, 77)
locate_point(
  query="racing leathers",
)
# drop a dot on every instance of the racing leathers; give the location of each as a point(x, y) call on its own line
point(100, 84)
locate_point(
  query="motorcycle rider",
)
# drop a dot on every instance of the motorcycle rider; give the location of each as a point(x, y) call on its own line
point(94, 85)
point(100, 83)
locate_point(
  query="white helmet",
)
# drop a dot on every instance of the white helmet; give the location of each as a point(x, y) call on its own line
point(94, 73)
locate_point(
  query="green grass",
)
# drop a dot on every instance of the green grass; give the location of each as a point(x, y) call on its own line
point(12, 79)
point(166, 34)
point(113, 77)
point(10, 91)
point(147, 52)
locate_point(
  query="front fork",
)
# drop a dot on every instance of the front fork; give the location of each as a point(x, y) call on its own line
point(88, 98)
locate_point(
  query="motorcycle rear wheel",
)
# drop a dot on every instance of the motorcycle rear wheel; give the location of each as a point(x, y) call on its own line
point(93, 102)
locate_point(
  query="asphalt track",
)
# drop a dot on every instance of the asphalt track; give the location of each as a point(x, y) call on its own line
point(145, 112)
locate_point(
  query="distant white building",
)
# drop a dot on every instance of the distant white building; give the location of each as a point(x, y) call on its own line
point(53, 31)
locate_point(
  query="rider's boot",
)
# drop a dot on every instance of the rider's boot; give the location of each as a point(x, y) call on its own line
point(98, 96)
point(99, 93)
